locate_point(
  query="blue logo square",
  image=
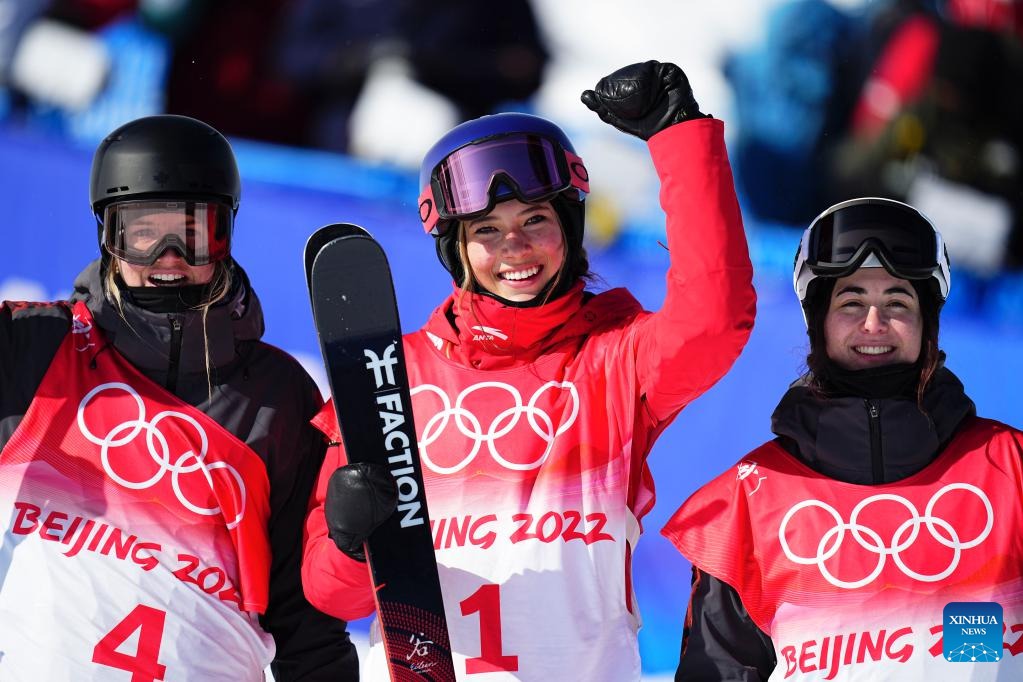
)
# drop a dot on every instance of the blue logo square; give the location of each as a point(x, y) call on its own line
point(972, 631)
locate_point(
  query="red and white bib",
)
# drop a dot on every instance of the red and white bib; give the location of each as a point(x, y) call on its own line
point(850, 581)
point(135, 531)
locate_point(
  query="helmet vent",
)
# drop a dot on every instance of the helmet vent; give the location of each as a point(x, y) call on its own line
point(111, 190)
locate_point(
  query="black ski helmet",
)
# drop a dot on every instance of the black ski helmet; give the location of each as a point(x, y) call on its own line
point(871, 232)
point(566, 197)
point(169, 156)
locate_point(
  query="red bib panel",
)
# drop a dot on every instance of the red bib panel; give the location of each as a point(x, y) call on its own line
point(850, 581)
point(128, 511)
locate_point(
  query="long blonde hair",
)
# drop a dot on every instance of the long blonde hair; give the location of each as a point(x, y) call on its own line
point(218, 289)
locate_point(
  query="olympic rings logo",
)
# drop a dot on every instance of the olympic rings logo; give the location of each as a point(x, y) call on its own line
point(159, 448)
point(903, 537)
point(470, 426)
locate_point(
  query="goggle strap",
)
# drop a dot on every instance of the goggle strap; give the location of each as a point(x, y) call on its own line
point(428, 213)
point(836, 270)
point(577, 172)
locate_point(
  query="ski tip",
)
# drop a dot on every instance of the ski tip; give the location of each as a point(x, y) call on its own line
point(329, 233)
point(326, 234)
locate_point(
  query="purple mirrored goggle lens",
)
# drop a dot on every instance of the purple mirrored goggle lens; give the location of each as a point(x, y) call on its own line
point(466, 177)
point(464, 184)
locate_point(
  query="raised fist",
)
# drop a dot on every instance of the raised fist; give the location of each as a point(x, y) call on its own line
point(643, 99)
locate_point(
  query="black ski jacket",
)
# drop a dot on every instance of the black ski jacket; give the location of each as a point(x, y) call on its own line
point(831, 436)
point(259, 393)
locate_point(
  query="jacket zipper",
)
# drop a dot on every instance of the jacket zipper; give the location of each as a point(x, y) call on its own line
point(175, 353)
point(876, 456)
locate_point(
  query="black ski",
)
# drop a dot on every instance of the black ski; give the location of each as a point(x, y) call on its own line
point(360, 337)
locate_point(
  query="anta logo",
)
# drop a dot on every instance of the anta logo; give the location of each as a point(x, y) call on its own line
point(487, 334)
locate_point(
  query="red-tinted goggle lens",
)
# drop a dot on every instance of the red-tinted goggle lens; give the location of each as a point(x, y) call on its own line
point(905, 241)
point(139, 232)
point(532, 167)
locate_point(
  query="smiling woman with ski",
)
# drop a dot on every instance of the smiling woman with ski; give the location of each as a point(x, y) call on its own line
point(537, 401)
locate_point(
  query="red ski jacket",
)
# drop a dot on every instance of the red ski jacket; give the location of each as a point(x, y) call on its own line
point(534, 425)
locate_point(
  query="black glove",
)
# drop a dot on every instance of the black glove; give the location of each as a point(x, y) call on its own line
point(359, 498)
point(644, 99)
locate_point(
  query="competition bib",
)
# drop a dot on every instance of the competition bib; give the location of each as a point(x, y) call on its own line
point(530, 524)
point(134, 543)
point(850, 581)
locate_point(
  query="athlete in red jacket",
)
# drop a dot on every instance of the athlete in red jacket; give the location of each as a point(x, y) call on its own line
point(536, 401)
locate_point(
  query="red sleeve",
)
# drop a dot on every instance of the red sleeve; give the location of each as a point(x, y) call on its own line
point(333, 583)
point(708, 311)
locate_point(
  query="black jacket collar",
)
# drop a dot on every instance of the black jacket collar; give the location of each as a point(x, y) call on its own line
point(143, 337)
point(833, 436)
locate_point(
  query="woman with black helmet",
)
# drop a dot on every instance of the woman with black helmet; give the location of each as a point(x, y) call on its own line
point(537, 401)
point(156, 457)
point(886, 513)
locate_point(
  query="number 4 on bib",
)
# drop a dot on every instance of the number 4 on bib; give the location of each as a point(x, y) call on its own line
point(360, 337)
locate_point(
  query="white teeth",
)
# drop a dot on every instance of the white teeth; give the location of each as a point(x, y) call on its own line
point(167, 278)
point(521, 274)
point(873, 350)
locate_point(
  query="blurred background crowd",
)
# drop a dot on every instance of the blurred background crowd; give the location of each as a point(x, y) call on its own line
point(911, 99)
point(331, 104)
